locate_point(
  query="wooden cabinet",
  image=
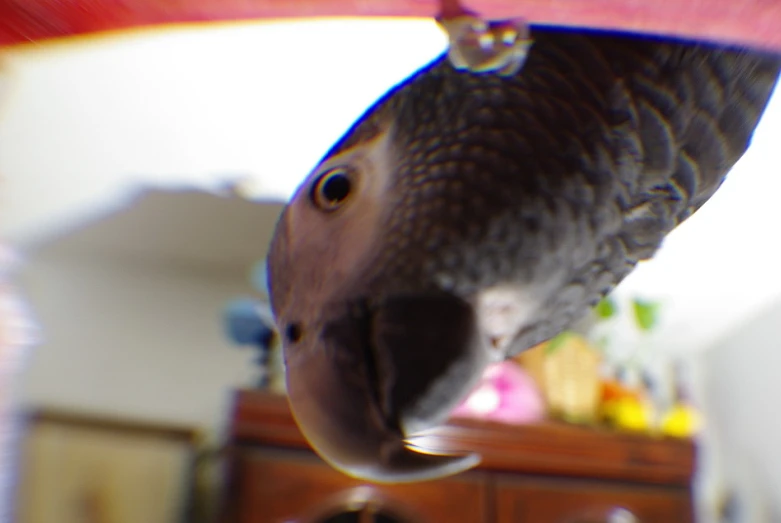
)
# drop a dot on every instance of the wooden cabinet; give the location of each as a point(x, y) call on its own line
point(315, 492)
point(545, 473)
point(578, 501)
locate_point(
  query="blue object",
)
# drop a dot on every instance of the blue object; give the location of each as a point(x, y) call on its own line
point(244, 325)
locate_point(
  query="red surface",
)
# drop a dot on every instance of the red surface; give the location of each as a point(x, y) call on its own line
point(752, 22)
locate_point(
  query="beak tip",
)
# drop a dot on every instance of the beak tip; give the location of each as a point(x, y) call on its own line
point(402, 463)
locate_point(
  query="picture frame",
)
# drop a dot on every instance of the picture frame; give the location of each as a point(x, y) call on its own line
point(77, 468)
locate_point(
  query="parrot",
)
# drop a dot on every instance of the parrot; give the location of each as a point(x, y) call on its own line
point(482, 206)
point(482, 202)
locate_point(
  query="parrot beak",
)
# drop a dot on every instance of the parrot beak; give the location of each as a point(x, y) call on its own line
point(369, 383)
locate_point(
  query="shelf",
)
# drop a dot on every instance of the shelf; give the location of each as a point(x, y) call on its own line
point(548, 448)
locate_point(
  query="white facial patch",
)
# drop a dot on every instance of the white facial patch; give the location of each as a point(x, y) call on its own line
point(502, 311)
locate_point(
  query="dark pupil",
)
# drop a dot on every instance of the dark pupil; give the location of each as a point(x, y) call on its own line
point(336, 188)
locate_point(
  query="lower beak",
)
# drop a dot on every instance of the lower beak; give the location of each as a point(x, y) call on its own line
point(358, 406)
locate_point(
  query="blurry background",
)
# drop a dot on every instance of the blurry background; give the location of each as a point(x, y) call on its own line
point(143, 174)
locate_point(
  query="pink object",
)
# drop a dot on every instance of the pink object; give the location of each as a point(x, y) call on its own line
point(506, 394)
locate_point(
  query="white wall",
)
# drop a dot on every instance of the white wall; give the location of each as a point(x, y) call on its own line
point(136, 341)
point(740, 390)
point(80, 120)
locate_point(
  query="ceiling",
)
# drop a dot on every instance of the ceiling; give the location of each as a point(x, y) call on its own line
point(190, 229)
point(83, 124)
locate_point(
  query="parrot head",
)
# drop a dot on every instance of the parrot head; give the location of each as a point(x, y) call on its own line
point(381, 333)
point(367, 364)
point(410, 259)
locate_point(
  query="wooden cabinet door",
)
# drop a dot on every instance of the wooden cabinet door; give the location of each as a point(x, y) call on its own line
point(537, 500)
point(290, 486)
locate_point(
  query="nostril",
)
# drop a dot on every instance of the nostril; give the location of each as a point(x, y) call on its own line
point(293, 332)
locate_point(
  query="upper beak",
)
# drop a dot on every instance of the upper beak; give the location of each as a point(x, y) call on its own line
point(369, 383)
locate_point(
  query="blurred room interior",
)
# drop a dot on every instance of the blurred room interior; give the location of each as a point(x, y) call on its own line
point(143, 174)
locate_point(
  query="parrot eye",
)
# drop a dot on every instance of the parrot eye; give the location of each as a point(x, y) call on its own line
point(332, 189)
